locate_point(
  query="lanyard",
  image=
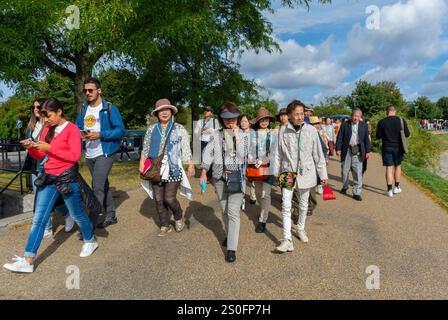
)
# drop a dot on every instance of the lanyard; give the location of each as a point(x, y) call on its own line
point(268, 144)
point(167, 131)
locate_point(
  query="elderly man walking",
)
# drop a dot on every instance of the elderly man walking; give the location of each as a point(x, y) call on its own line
point(353, 146)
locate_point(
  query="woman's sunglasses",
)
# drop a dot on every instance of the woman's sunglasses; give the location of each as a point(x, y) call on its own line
point(43, 113)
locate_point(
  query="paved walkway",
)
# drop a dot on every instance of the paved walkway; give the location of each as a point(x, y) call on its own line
point(406, 237)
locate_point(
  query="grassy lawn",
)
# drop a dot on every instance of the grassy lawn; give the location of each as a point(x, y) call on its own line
point(435, 186)
point(124, 175)
point(442, 140)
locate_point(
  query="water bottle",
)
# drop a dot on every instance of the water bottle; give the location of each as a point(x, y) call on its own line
point(203, 186)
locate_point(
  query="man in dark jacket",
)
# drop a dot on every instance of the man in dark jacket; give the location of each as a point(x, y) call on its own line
point(388, 130)
point(353, 145)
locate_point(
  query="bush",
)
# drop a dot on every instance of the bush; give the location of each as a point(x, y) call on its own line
point(424, 150)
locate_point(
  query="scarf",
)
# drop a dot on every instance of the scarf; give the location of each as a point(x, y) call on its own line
point(156, 139)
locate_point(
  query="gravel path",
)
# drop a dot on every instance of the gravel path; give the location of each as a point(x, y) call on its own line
point(405, 236)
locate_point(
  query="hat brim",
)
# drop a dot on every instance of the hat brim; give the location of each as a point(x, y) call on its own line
point(229, 115)
point(167, 106)
point(254, 121)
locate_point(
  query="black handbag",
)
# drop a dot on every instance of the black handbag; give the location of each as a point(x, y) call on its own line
point(232, 178)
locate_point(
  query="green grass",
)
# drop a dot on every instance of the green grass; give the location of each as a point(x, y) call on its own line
point(442, 140)
point(434, 185)
point(123, 176)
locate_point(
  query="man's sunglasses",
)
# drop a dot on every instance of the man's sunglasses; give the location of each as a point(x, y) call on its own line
point(89, 90)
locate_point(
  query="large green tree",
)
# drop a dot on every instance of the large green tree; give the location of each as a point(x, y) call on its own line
point(375, 98)
point(202, 35)
point(426, 109)
point(442, 103)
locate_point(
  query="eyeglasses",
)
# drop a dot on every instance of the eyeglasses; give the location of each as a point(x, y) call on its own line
point(88, 90)
point(43, 113)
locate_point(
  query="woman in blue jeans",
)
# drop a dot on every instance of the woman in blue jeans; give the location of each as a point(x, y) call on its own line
point(61, 142)
point(35, 128)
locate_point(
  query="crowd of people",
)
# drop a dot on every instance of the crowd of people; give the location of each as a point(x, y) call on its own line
point(289, 150)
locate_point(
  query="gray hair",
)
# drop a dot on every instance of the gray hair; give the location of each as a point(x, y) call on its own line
point(356, 110)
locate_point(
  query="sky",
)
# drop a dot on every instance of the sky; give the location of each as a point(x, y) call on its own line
point(326, 50)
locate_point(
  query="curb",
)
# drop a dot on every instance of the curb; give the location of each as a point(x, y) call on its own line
point(17, 220)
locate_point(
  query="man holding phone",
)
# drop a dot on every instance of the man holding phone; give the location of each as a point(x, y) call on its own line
point(102, 127)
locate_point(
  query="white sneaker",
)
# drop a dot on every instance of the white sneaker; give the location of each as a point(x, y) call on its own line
point(20, 265)
point(285, 246)
point(302, 235)
point(88, 249)
point(319, 190)
point(397, 190)
point(389, 193)
point(48, 234)
point(69, 223)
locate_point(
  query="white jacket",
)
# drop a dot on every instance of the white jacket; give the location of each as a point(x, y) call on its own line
point(312, 158)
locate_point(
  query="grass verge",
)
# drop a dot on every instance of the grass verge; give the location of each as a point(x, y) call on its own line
point(433, 185)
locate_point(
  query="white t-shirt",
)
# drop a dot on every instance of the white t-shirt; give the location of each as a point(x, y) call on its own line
point(92, 123)
point(212, 124)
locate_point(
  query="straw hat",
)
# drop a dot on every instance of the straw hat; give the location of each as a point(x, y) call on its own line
point(261, 114)
point(164, 104)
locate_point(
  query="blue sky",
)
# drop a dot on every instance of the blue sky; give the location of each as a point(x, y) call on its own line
point(327, 49)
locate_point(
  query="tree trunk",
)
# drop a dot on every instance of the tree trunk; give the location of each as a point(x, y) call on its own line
point(83, 71)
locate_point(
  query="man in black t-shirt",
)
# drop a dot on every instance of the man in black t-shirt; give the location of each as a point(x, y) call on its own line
point(388, 130)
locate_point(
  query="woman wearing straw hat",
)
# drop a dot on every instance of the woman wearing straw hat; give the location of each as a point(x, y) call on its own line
point(177, 151)
point(227, 155)
point(261, 148)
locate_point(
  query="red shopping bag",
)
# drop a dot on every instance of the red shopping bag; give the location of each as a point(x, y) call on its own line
point(328, 194)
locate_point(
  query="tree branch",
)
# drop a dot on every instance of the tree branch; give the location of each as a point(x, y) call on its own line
point(61, 70)
point(64, 53)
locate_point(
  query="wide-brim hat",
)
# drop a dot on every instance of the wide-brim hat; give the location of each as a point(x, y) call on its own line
point(261, 114)
point(164, 104)
point(282, 111)
point(314, 120)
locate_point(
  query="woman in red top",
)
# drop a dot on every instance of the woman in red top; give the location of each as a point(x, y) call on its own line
point(61, 142)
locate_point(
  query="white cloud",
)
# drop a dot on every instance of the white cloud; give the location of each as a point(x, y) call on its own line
point(295, 67)
point(409, 32)
point(438, 86)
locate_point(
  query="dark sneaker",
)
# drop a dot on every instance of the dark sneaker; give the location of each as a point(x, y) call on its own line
point(344, 191)
point(107, 222)
point(253, 201)
point(357, 198)
point(231, 256)
point(261, 227)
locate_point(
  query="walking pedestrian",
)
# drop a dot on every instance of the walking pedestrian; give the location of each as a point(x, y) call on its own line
point(298, 159)
point(262, 143)
point(329, 130)
point(392, 150)
point(244, 124)
point(172, 139)
point(102, 127)
point(124, 148)
point(61, 142)
point(228, 155)
point(353, 146)
point(34, 131)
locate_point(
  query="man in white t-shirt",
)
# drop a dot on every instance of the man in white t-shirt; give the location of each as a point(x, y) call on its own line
point(206, 127)
point(102, 128)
